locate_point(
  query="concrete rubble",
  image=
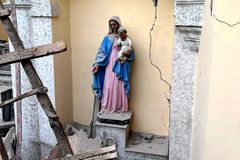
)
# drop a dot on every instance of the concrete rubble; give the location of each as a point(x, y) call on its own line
point(81, 143)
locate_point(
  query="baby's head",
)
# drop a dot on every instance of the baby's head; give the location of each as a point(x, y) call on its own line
point(122, 33)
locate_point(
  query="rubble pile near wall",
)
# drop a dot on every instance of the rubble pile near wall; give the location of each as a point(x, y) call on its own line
point(84, 147)
point(81, 143)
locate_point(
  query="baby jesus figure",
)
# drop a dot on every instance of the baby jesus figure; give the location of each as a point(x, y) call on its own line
point(125, 43)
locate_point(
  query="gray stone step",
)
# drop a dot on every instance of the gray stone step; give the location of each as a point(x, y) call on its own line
point(143, 156)
point(146, 147)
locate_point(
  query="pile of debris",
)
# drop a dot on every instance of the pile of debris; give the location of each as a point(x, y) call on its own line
point(84, 147)
point(80, 142)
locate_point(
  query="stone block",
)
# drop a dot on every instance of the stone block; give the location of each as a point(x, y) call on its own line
point(115, 118)
point(114, 132)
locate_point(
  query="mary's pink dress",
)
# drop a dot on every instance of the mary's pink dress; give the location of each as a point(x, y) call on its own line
point(114, 98)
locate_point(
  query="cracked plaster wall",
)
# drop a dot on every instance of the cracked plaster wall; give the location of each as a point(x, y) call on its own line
point(217, 121)
point(145, 79)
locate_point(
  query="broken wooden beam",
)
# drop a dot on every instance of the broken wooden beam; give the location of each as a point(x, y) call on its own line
point(99, 154)
point(32, 53)
point(25, 95)
point(108, 156)
point(96, 152)
point(3, 151)
point(4, 13)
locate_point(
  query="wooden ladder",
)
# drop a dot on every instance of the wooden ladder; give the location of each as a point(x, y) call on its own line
point(24, 56)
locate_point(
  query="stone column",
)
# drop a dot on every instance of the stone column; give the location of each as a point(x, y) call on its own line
point(42, 34)
point(188, 22)
point(35, 28)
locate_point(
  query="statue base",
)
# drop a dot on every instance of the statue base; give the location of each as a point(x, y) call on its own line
point(115, 118)
point(113, 128)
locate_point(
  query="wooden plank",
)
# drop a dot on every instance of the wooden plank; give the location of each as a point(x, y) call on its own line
point(25, 95)
point(32, 53)
point(107, 156)
point(36, 82)
point(4, 13)
point(96, 152)
point(3, 151)
point(93, 153)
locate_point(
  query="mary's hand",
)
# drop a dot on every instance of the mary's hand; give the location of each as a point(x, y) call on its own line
point(95, 68)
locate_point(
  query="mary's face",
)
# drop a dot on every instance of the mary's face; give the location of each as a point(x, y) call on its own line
point(114, 26)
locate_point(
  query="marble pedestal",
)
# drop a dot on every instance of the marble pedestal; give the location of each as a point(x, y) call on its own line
point(115, 133)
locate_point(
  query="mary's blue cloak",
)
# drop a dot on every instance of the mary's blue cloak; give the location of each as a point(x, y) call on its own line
point(122, 70)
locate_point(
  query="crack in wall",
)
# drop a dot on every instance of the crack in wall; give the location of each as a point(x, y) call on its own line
point(167, 92)
point(150, 54)
point(225, 22)
point(220, 20)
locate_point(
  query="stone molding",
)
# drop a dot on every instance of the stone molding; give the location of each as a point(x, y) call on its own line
point(45, 10)
point(19, 6)
point(190, 2)
point(191, 36)
point(188, 13)
point(38, 9)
